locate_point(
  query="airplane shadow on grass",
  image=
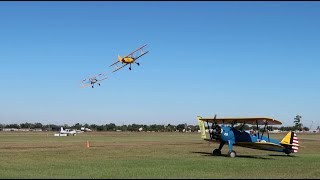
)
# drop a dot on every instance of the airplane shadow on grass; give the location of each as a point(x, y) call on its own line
point(238, 156)
point(283, 155)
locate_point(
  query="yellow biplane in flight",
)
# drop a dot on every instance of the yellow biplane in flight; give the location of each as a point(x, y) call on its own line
point(130, 58)
point(227, 133)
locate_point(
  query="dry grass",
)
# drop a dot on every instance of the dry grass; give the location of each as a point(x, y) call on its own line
point(146, 155)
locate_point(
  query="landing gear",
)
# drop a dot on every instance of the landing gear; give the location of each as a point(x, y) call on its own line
point(92, 86)
point(138, 64)
point(287, 151)
point(216, 152)
point(130, 68)
point(232, 154)
point(99, 84)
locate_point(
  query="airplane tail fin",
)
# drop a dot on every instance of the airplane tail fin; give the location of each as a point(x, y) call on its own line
point(202, 128)
point(119, 58)
point(61, 129)
point(291, 140)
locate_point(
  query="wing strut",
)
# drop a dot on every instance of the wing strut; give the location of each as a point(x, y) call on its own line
point(257, 128)
point(120, 67)
point(264, 129)
point(209, 130)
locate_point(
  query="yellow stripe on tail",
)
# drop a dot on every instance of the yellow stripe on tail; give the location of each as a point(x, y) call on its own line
point(202, 128)
point(119, 58)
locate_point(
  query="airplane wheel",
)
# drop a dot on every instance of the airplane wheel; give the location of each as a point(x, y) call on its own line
point(138, 64)
point(130, 69)
point(216, 152)
point(232, 154)
point(287, 151)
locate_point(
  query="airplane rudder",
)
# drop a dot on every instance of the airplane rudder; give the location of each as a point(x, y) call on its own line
point(119, 58)
point(295, 142)
point(202, 128)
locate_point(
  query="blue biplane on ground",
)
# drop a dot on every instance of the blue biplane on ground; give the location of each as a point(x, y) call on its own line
point(227, 133)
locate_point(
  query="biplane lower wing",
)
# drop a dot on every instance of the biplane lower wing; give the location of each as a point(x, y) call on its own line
point(84, 85)
point(103, 79)
point(261, 145)
point(120, 68)
point(255, 145)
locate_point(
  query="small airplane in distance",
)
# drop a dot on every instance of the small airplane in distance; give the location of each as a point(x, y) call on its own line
point(130, 58)
point(93, 80)
point(232, 136)
point(68, 132)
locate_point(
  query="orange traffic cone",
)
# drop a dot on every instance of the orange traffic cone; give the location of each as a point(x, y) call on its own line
point(88, 145)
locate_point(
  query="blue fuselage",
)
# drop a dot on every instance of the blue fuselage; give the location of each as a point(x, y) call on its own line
point(241, 138)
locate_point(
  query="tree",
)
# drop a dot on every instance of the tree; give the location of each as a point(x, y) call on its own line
point(305, 128)
point(37, 125)
point(297, 120)
point(111, 127)
point(66, 126)
point(169, 128)
point(180, 127)
point(13, 126)
point(100, 128)
point(25, 125)
point(124, 128)
point(77, 126)
point(93, 126)
point(192, 128)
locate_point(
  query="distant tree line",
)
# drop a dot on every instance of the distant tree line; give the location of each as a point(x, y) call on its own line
point(136, 127)
point(106, 127)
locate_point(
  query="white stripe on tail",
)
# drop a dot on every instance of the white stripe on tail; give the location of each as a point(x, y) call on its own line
point(295, 141)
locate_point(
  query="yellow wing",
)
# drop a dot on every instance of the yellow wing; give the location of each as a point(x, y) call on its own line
point(120, 67)
point(260, 145)
point(136, 50)
point(249, 120)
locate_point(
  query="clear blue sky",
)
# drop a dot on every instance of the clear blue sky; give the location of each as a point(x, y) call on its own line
point(233, 59)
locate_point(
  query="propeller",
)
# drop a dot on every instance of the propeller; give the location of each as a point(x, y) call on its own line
point(209, 133)
point(213, 123)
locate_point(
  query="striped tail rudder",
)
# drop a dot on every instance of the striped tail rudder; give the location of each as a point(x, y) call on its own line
point(295, 143)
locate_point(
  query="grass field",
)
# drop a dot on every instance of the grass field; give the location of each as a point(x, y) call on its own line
point(147, 155)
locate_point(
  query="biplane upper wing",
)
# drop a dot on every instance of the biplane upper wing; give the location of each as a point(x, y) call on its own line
point(136, 50)
point(102, 79)
point(250, 120)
